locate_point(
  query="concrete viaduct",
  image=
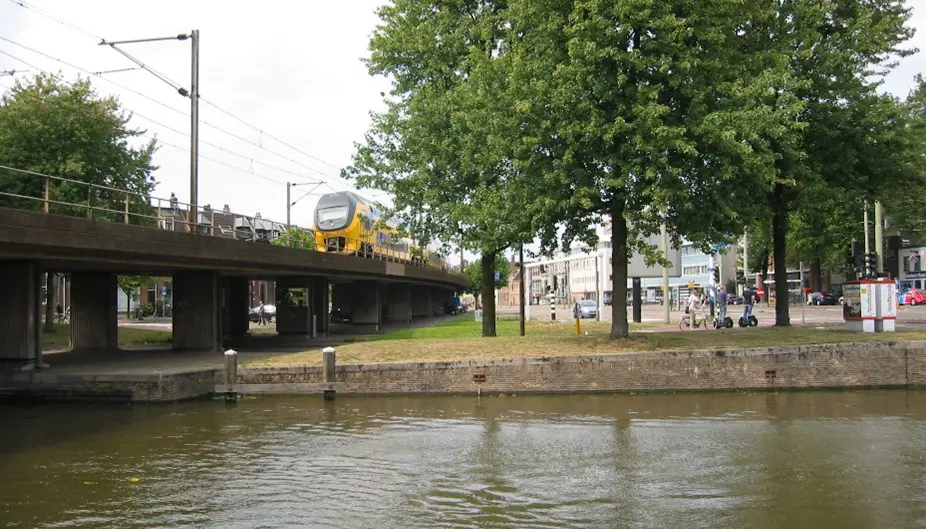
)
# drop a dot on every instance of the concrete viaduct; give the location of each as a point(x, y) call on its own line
point(210, 289)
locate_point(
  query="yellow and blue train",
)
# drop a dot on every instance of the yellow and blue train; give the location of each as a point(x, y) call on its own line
point(345, 222)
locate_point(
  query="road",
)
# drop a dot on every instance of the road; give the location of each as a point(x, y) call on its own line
point(800, 315)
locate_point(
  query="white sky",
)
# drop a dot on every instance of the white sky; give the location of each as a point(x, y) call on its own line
point(292, 69)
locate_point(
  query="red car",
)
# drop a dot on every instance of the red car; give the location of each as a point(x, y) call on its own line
point(913, 297)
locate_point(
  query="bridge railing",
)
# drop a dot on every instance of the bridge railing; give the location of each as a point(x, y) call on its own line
point(34, 191)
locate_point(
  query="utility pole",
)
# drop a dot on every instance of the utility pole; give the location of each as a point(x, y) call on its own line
point(193, 94)
point(867, 247)
point(598, 289)
point(745, 260)
point(879, 237)
point(194, 128)
point(289, 203)
point(521, 279)
point(666, 317)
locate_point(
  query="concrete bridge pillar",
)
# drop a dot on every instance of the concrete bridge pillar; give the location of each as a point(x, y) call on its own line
point(94, 304)
point(421, 302)
point(197, 320)
point(294, 305)
point(236, 305)
point(399, 309)
point(363, 300)
point(20, 322)
point(320, 300)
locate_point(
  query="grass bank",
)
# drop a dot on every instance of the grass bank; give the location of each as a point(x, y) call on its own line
point(460, 340)
point(60, 338)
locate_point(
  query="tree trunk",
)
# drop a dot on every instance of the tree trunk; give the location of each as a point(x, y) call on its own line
point(128, 305)
point(779, 232)
point(488, 295)
point(49, 303)
point(816, 275)
point(619, 327)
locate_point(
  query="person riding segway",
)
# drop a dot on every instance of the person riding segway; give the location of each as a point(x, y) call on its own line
point(747, 319)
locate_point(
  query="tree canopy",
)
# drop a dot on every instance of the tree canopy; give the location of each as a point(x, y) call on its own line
point(66, 129)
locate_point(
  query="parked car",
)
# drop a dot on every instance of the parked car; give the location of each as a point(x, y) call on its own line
point(455, 306)
point(270, 314)
point(913, 297)
point(733, 299)
point(822, 298)
point(588, 308)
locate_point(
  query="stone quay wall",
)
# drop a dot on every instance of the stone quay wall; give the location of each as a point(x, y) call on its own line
point(846, 365)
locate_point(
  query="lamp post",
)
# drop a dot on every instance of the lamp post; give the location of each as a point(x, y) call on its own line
point(193, 94)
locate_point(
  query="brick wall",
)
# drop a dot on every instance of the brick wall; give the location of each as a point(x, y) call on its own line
point(810, 366)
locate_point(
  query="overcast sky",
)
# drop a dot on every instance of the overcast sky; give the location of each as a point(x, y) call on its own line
point(291, 69)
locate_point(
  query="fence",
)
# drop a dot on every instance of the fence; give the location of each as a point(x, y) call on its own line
point(64, 196)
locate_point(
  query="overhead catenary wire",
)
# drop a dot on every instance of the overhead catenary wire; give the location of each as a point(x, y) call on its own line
point(322, 174)
point(177, 131)
point(335, 179)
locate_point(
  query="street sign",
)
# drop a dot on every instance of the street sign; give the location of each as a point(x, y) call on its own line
point(163, 291)
point(498, 277)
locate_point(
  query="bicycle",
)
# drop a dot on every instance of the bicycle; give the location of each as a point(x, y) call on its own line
point(689, 320)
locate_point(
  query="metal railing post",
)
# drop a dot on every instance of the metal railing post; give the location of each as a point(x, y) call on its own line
point(212, 224)
point(90, 202)
point(45, 206)
point(126, 220)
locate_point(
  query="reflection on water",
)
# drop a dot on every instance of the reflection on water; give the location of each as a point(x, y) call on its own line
point(815, 460)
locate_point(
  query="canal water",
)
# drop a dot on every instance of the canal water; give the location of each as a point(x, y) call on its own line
point(715, 460)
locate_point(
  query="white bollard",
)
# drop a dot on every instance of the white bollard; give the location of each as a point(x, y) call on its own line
point(328, 366)
point(231, 374)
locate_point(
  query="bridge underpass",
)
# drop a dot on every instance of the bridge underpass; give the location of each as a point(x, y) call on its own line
point(210, 284)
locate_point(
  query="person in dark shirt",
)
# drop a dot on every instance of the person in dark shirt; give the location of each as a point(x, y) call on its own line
point(721, 299)
point(748, 296)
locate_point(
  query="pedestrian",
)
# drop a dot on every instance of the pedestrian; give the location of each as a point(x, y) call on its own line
point(721, 300)
point(59, 313)
point(261, 314)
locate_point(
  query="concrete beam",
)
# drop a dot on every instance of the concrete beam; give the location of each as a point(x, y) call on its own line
point(294, 305)
point(93, 311)
point(399, 303)
point(236, 305)
point(197, 320)
point(19, 312)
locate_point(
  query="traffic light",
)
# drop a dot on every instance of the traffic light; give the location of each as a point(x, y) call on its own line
point(871, 264)
point(740, 278)
point(716, 274)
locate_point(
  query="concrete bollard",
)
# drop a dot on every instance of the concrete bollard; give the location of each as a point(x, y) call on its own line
point(231, 375)
point(328, 367)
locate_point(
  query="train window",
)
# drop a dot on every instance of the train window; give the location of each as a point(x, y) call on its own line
point(335, 213)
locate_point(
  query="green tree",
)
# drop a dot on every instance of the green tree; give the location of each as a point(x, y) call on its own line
point(66, 129)
point(443, 147)
point(53, 127)
point(475, 279)
point(846, 138)
point(129, 285)
point(642, 115)
point(296, 238)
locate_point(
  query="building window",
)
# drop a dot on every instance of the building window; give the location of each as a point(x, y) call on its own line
point(167, 224)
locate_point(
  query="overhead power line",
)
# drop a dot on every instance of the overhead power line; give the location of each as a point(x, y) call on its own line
point(164, 105)
point(168, 127)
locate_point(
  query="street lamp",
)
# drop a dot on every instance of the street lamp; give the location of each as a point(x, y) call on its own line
point(193, 94)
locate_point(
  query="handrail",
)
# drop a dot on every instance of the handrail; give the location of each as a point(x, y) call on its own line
point(150, 210)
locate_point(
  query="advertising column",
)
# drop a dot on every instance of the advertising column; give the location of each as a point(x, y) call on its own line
point(859, 309)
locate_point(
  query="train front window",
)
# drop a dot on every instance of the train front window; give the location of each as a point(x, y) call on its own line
point(338, 213)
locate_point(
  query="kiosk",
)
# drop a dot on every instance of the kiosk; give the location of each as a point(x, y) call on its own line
point(870, 305)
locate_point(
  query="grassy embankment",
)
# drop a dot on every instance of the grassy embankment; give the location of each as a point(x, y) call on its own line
point(128, 336)
point(460, 340)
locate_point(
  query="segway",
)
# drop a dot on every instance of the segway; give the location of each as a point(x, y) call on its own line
point(751, 322)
